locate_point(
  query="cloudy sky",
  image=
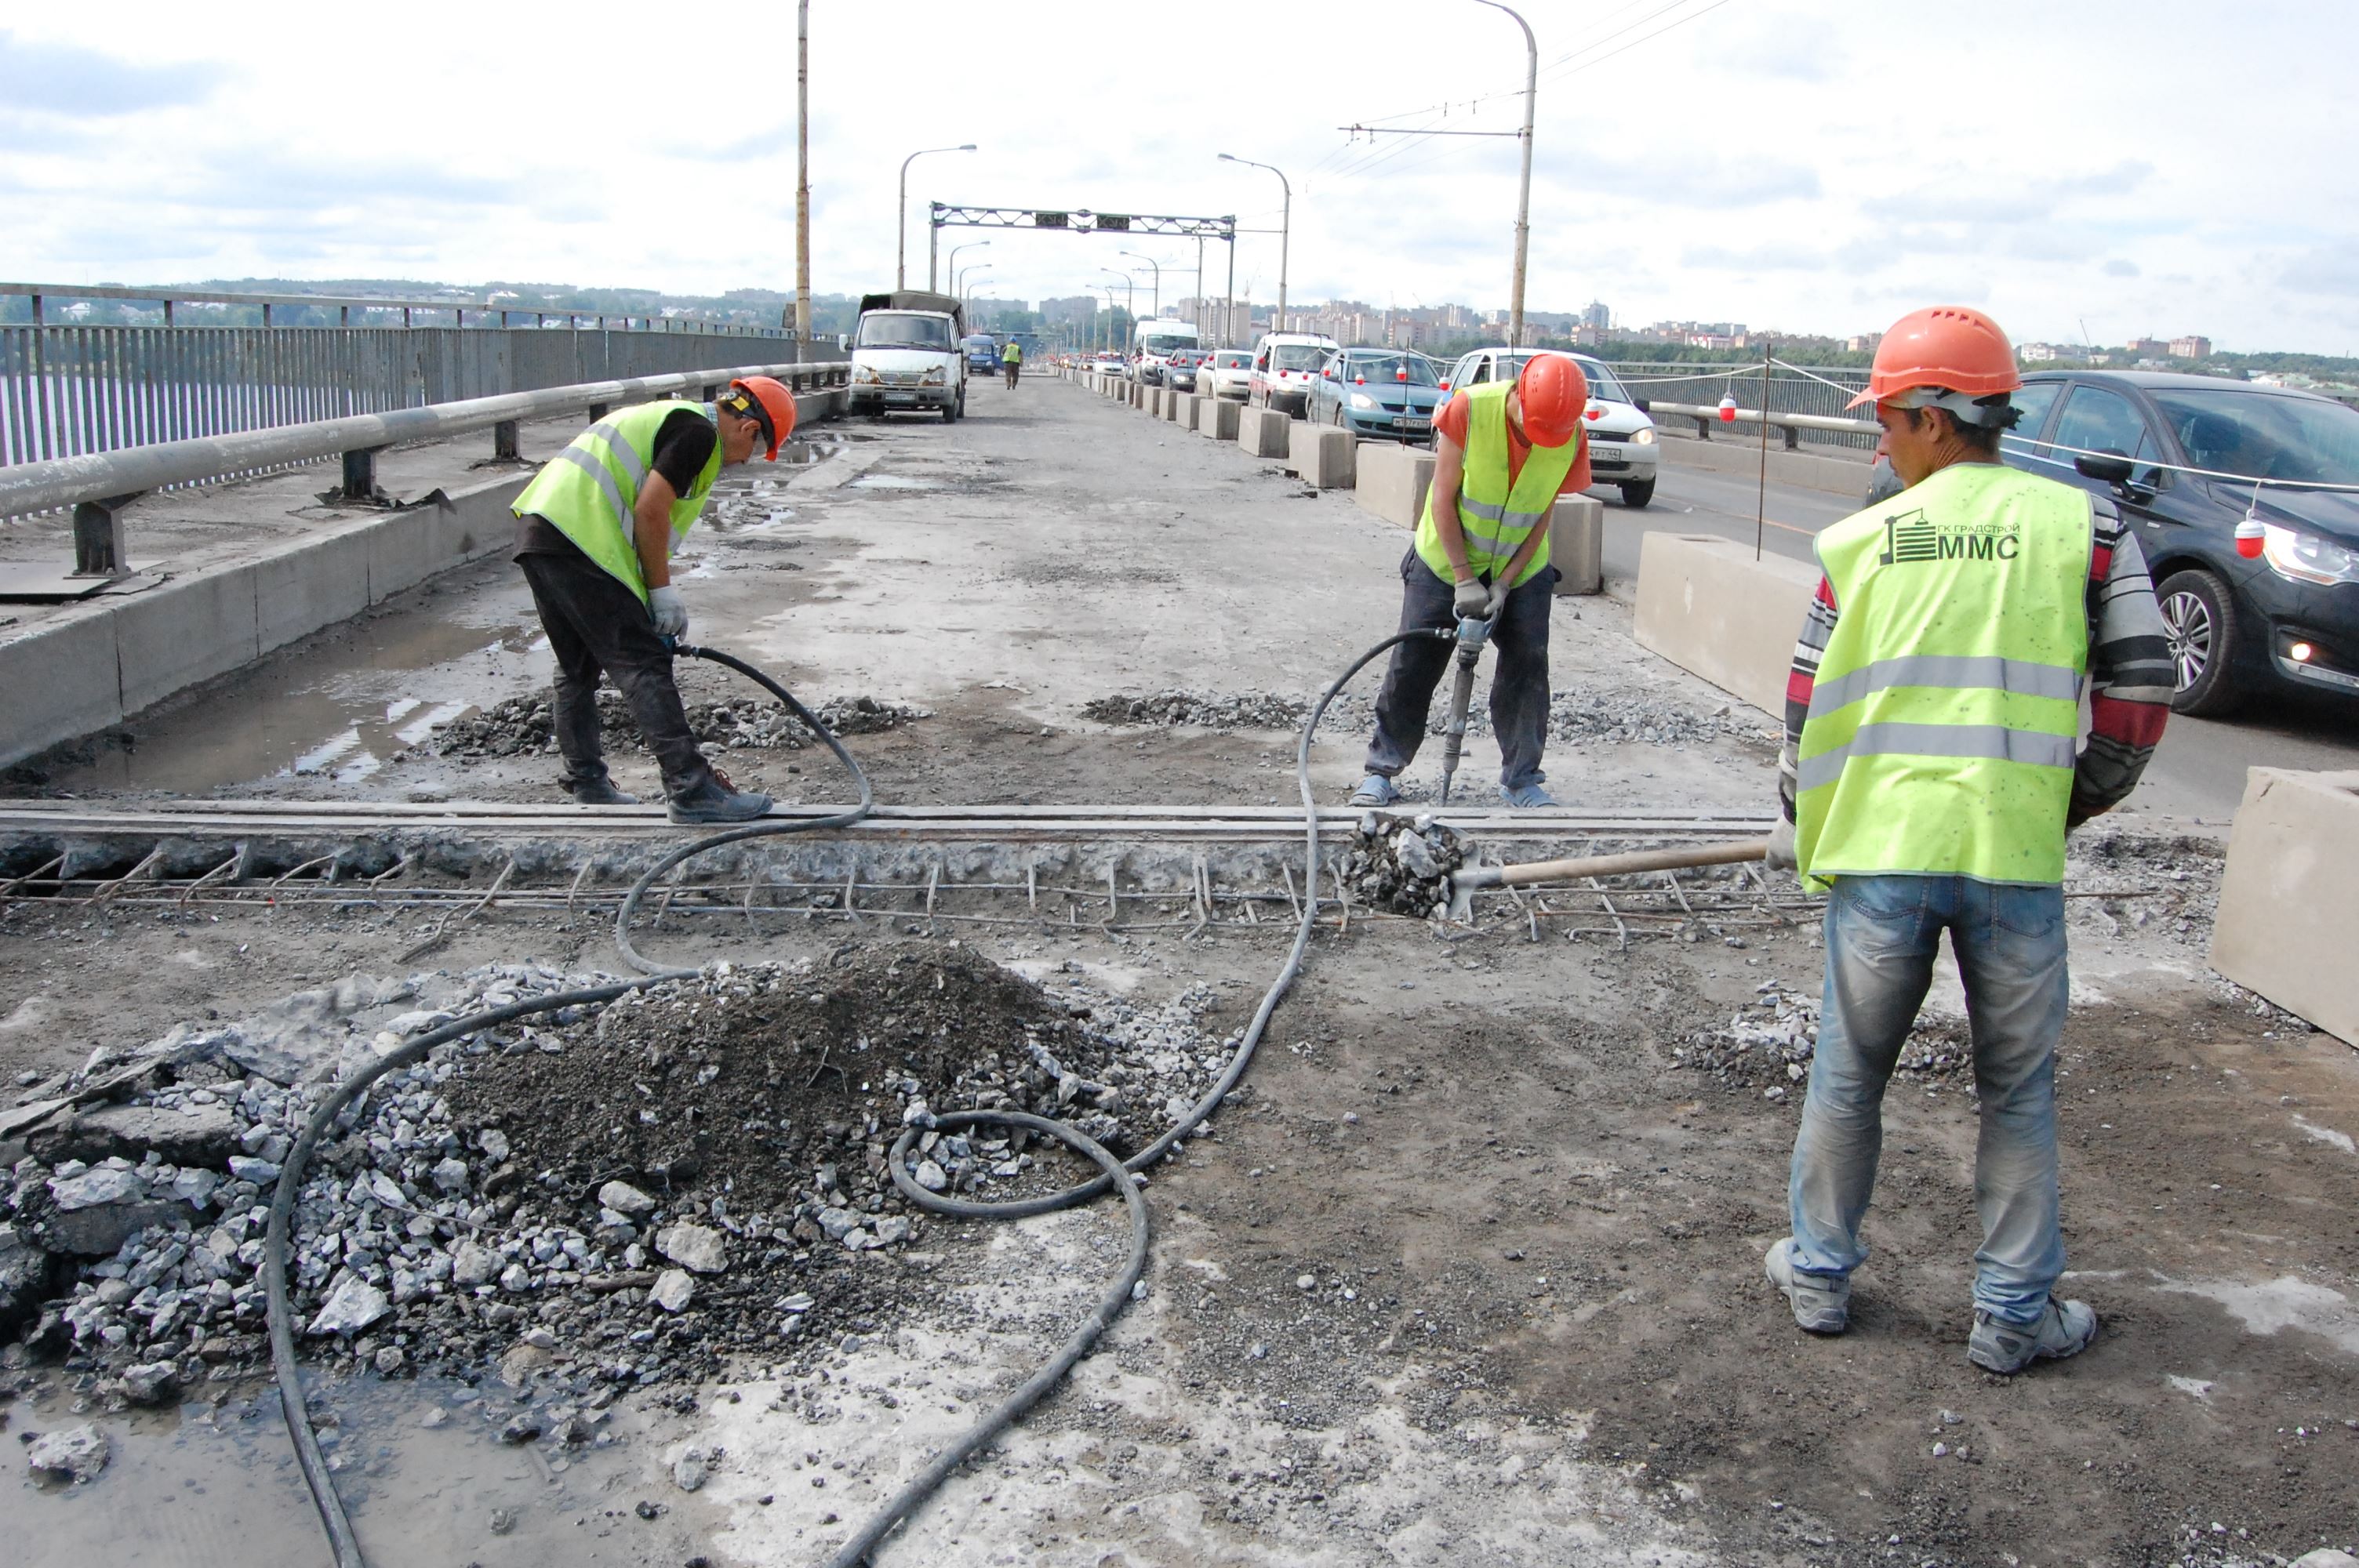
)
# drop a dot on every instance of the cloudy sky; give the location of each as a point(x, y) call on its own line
point(2158, 167)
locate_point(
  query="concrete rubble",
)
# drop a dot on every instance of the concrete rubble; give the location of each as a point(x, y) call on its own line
point(426, 1238)
point(523, 724)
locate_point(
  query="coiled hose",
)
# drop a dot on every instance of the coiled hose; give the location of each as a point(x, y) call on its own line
point(341, 1540)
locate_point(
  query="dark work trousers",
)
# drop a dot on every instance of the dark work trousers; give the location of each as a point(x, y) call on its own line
point(1519, 673)
point(595, 623)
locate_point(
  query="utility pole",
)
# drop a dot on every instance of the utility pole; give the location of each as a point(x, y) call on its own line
point(1524, 194)
point(1286, 224)
point(803, 176)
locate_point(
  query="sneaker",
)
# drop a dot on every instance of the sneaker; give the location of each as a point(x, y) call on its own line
point(600, 791)
point(717, 800)
point(1374, 789)
point(1819, 1305)
point(1526, 798)
point(2065, 1329)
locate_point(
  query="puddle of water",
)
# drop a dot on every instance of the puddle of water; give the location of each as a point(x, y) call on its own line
point(2270, 1305)
point(337, 706)
point(215, 1485)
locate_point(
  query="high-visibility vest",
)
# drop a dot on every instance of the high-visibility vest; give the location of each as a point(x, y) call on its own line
point(1012, 354)
point(1945, 721)
point(590, 490)
point(1495, 513)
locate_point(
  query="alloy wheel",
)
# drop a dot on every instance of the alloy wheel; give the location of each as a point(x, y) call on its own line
point(2187, 624)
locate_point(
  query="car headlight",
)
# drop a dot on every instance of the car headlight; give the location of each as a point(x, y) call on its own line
point(866, 375)
point(2306, 558)
point(934, 377)
point(1645, 438)
point(1362, 400)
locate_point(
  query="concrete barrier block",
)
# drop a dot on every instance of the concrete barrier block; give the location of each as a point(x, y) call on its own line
point(1173, 405)
point(1708, 606)
point(1183, 411)
point(1138, 391)
point(1838, 471)
point(1263, 432)
point(2288, 915)
point(1577, 544)
point(191, 628)
point(1391, 482)
point(62, 679)
point(323, 582)
point(1217, 418)
point(1320, 455)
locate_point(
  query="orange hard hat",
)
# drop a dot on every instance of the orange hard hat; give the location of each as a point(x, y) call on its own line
point(1948, 347)
point(769, 404)
point(1555, 394)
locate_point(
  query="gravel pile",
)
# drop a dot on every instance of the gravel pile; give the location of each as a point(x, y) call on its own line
point(1402, 866)
point(522, 725)
point(603, 1200)
point(1209, 710)
point(2177, 874)
point(1769, 1043)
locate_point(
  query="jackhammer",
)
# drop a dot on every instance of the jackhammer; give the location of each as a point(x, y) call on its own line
point(1472, 633)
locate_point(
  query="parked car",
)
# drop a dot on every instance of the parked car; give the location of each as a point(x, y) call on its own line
point(1284, 366)
point(1179, 374)
point(1624, 449)
point(2288, 620)
point(1387, 395)
point(1227, 373)
point(905, 354)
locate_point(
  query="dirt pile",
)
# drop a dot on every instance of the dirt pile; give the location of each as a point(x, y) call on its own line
point(1605, 716)
point(522, 726)
point(601, 1200)
point(1767, 1046)
point(1209, 710)
point(2173, 878)
point(1402, 866)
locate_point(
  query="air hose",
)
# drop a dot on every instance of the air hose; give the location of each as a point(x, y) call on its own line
point(343, 1543)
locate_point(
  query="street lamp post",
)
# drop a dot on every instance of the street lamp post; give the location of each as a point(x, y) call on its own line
point(1130, 302)
point(1156, 307)
point(961, 275)
point(970, 244)
point(901, 239)
point(1285, 222)
point(1524, 195)
point(1109, 327)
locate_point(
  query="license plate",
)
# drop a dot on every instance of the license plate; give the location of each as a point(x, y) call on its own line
point(900, 397)
point(1611, 454)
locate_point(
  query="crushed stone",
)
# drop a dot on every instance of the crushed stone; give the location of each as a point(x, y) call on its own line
point(523, 724)
point(1767, 1046)
point(1595, 716)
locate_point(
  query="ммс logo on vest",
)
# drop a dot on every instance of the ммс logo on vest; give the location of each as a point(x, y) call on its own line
point(1912, 537)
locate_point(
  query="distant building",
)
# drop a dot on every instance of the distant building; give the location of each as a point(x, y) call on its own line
point(1075, 309)
point(1597, 316)
point(2191, 348)
point(2035, 353)
point(1861, 343)
point(2137, 346)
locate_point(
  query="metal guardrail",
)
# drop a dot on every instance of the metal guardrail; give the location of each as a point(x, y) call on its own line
point(344, 305)
point(1675, 389)
point(1792, 425)
point(70, 391)
point(99, 485)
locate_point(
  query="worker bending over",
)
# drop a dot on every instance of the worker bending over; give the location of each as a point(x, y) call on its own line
point(595, 531)
point(1011, 359)
point(1930, 775)
point(1506, 450)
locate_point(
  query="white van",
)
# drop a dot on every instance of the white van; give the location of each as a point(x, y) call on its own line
point(906, 355)
point(1154, 340)
point(1284, 364)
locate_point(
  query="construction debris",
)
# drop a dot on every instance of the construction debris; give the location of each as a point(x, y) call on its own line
point(1588, 715)
point(1768, 1044)
point(611, 1199)
point(523, 724)
point(1402, 866)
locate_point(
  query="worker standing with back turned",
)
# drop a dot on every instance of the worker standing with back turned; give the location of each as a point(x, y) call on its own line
point(1930, 774)
point(595, 533)
point(1506, 450)
point(1011, 359)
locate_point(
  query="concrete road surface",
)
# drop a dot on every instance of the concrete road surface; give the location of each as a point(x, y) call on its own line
point(2198, 773)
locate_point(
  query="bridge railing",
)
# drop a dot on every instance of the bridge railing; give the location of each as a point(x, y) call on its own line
point(99, 485)
point(1693, 391)
point(44, 301)
point(68, 391)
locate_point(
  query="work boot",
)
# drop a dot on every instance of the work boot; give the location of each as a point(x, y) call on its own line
point(600, 791)
point(1526, 798)
point(1822, 1305)
point(1997, 1346)
point(1374, 789)
point(716, 799)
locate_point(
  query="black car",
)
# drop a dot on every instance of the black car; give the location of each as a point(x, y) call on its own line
point(2238, 627)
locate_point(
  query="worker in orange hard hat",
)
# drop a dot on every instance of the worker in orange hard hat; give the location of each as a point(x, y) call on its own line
point(1506, 450)
point(1934, 762)
point(595, 533)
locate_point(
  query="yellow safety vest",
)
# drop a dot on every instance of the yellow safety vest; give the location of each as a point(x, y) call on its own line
point(1945, 721)
point(590, 490)
point(1495, 513)
point(1012, 354)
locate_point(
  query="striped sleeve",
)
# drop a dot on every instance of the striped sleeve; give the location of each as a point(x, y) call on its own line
point(2130, 673)
point(1818, 627)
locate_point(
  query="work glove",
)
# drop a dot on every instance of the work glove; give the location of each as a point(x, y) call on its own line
point(1472, 601)
point(669, 612)
point(1498, 602)
point(1780, 855)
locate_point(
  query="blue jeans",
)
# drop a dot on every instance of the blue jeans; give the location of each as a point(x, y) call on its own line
point(1882, 932)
